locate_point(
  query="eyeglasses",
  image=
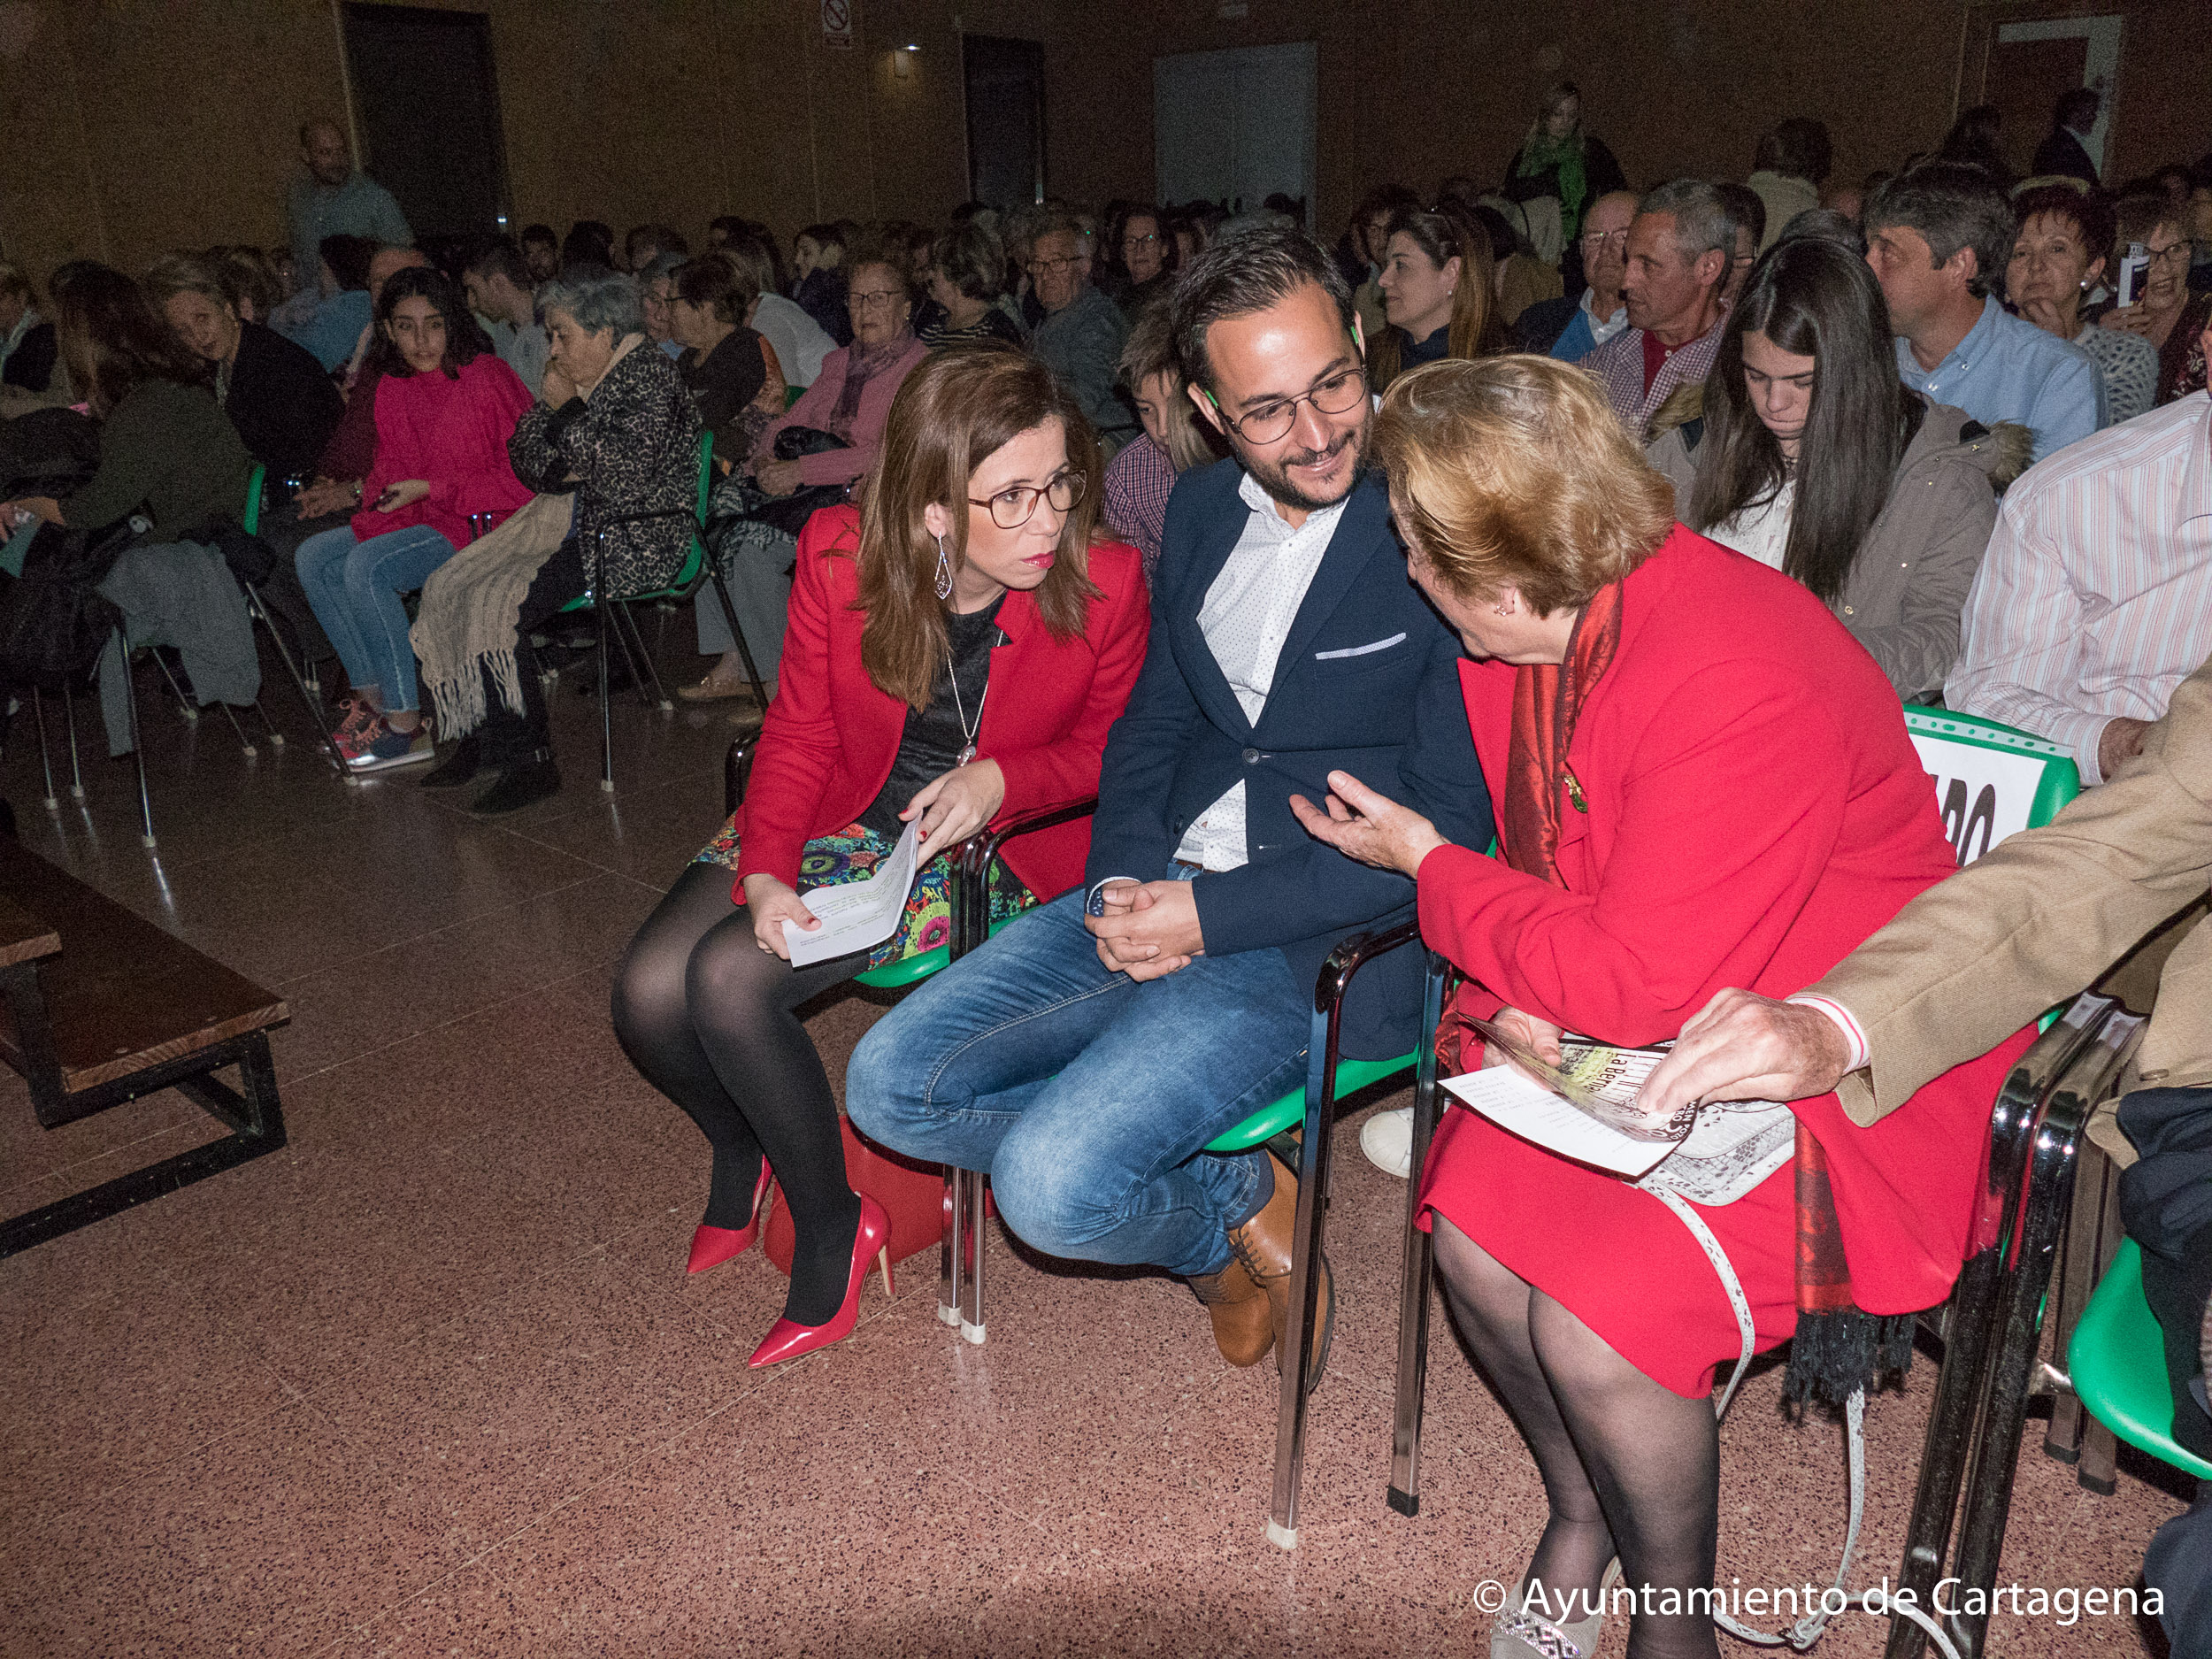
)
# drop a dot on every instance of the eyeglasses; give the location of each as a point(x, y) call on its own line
point(1053, 267)
point(2177, 253)
point(1010, 508)
point(1140, 241)
point(1270, 423)
point(886, 299)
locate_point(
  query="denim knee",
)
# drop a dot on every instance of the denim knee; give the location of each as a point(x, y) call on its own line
point(1052, 1198)
point(882, 1093)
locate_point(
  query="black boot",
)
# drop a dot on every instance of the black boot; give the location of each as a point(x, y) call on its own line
point(458, 767)
point(531, 779)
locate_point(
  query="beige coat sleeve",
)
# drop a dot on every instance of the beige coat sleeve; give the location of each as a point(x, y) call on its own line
point(2039, 917)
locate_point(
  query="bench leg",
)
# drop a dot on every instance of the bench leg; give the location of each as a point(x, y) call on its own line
point(257, 1124)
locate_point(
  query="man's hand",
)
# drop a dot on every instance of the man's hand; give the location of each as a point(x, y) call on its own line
point(953, 805)
point(45, 508)
point(1370, 827)
point(773, 904)
point(1743, 1046)
point(2120, 743)
point(778, 477)
point(1149, 929)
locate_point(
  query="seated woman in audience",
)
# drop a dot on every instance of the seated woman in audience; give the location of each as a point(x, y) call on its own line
point(1744, 807)
point(656, 295)
point(166, 450)
point(445, 408)
point(799, 342)
point(818, 279)
point(331, 329)
point(2059, 255)
point(1142, 477)
point(733, 375)
point(967, 276)
point(1813, 458)
point(30, 348)
point(250, 280)
point(1438, 293)
point(282, 404)
point(1143, 256)
point(959, 647)
point(613, 424)
point(2169, 317)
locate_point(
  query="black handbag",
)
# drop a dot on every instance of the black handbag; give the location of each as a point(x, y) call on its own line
point(53, 621)
point(740, 498)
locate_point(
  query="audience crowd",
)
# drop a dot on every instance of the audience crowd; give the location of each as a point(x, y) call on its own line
point(1962, 414)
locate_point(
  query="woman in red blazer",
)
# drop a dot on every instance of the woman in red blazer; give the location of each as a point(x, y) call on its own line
point(956, 649)
point(1702, 780)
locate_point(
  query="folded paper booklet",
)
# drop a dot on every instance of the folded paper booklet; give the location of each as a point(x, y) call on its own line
point(857, 915)
point(1583, 1110)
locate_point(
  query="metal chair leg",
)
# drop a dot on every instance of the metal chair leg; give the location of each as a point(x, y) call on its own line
point(657, 696)
point(948, 1262)
point(309, 699)
point(1418, 1268)
point(138, 741)
point(184, 705)
point(606, 697)
point(51, 801)
point(737, 635)
point(971, 1311)
point(69, 719)
point(1305, 1283)
point(245, 743)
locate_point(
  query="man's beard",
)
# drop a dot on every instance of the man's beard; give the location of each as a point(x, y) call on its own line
point(1274, 475)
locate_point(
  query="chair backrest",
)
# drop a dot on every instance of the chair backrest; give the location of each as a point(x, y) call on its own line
point(706, 473)
point(249, 521)
point(1991, 779)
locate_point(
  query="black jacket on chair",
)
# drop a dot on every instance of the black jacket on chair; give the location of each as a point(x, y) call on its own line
point(283, 405)
point(1368, 683)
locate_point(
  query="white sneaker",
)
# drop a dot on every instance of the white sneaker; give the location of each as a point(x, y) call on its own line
point(1387, 1140)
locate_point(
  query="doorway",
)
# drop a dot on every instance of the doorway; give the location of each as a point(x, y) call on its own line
point(1004, 79)
point(2027, 64)
point(426, 99)
point(1236, 127)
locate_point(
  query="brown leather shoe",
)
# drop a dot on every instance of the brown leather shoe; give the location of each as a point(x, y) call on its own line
point(1263, 1245)
point(1244, 1320)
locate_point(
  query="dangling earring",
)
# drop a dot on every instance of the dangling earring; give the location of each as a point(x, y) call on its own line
point(944, 572)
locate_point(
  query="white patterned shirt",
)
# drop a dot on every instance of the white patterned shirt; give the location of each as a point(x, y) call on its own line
point(1246, 617)
point(2094, 600)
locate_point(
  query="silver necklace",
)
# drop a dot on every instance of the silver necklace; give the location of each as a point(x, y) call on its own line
point(968, 733)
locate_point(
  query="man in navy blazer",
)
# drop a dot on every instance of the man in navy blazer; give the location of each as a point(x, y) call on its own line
point(1087, 1055)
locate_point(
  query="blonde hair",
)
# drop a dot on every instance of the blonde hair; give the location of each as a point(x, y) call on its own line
point(1514, 471)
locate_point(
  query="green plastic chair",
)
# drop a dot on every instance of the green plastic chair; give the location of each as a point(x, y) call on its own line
point(2117, 1361)
point(1992, 779)
point(792, 394)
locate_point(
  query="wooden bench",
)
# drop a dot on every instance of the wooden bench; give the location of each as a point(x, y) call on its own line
point(103, 1007)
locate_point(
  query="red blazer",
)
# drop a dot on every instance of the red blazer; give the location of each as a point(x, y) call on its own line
point(1756, 809)
point(831, 734)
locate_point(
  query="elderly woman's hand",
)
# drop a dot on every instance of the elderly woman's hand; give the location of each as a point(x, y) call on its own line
point(1368, 826)
point(778, 477)
point(1539, 1036)
point(555, 389)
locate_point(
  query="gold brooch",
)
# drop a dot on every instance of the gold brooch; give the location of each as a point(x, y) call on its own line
point(1574, 794)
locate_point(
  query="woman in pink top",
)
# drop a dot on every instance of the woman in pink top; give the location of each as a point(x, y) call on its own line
point(445, 407)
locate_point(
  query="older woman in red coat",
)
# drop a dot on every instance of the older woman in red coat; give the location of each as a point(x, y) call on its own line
point(956, 652)
point(1702, 781)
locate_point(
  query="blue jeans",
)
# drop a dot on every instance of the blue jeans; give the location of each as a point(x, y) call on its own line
point(354, 588)
point(1086, 1095)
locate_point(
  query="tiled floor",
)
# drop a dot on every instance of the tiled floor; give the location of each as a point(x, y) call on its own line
point(431, 1381)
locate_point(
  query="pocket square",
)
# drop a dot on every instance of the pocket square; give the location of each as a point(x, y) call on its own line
point(1360, 650)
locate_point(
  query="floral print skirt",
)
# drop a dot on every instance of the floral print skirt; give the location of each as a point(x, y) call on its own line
point(853, 853)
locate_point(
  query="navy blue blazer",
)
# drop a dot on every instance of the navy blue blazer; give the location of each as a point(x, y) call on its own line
point(1368, 683)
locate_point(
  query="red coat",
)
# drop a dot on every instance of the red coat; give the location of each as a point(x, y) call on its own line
point(831, 734)
point(1756, 812)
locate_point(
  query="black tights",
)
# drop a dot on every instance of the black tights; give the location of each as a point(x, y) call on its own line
point(1631, 1468)
point(707, 1016)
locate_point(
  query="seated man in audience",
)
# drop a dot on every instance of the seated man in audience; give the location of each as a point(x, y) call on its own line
point(500, 290)
point(1087, 1055)
point(1571, 328)
point(648, 242)
point(1679, 247)
point(1938, 236)
point(2095, 597)
point(541, 251)
point(336, 198)
point(1082, 336)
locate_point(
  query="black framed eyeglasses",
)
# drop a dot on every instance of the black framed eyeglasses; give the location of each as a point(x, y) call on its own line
point(1010, 508)
point(1270, 423)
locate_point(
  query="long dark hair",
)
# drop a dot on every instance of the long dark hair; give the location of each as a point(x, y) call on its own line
point(958, 408)
point(114, 340)
point(1813, 298)
point(465, 339)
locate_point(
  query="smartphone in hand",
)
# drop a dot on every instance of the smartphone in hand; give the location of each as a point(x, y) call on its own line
point(2133, 268)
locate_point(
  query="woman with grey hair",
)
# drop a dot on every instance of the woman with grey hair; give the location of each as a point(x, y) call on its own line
point(614, 427)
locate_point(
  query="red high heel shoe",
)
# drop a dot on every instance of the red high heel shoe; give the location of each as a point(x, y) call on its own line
point(787, 1340)
point(710, 1247)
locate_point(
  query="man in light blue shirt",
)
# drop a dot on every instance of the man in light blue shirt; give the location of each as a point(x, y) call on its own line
point(1936, 236)
point(336, 198)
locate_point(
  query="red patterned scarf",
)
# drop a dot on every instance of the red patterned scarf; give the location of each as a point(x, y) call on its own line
point(1547, 699)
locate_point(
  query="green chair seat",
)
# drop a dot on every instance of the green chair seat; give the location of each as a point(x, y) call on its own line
point(1290, 1111)
point(2118, 1361)
point(695, 561)
point(896, 976)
